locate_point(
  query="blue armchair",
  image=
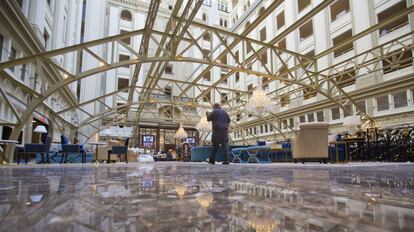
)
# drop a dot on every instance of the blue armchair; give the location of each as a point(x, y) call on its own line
point(34, 148)
point(72, 149)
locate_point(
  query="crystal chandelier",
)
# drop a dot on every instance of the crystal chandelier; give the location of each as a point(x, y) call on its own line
point(203, 125)
point(259, 103)
point(180, 134)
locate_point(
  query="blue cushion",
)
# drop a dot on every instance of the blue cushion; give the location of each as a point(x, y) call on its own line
point(286, 145)
point(119, 149)
point(34, 147)
point(71, 148)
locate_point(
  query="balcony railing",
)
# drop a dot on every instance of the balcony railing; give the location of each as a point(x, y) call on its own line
point(384, 32)
point(340, 15)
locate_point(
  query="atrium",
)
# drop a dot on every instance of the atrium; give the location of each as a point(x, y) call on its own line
point(106, 110)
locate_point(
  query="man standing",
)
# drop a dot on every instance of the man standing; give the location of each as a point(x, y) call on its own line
point(220, 120)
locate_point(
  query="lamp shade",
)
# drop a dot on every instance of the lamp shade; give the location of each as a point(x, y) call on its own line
point(40, 129)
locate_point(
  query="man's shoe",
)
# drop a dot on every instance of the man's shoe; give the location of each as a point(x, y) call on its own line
point(226, 163)
point(212, 162)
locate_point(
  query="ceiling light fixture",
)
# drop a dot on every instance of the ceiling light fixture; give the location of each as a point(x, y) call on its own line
point(260, 102)
point(180, 134)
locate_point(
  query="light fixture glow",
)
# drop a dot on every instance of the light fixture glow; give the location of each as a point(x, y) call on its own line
point(260, 102)
point(205, 200)
point(180, 134)
point(263, 224)
point(203, 125)
point(181, 190)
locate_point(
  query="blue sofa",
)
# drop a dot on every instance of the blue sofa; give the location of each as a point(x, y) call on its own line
point(56, 157)
point(203, 153)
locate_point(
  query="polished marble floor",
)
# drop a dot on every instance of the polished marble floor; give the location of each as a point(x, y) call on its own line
point(169, 196)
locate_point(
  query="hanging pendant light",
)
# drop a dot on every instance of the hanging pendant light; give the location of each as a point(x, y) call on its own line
point(180, 134)
point(260, 102)
point(203, 125)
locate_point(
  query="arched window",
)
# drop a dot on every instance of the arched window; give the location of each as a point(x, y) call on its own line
point(225, 23)
point(248, 3)
point(204, 17)
point(221, 22)
point(262, 10)
point(126, 15)
point(206, 36)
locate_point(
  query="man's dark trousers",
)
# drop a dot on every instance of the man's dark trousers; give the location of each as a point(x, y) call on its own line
point(220, 137)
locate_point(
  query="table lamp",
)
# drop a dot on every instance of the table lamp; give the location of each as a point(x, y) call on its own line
point(40, 129)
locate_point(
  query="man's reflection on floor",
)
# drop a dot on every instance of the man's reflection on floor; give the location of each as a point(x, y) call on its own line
point(220, 208)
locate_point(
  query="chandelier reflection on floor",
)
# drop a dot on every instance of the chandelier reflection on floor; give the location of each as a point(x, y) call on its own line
point(260, 102)
point(263, 224)
point(180, 134)
point(203, 125)
point(180, 190)
point(205, 199)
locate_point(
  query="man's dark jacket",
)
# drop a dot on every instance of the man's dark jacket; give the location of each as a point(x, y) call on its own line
point(221, 121)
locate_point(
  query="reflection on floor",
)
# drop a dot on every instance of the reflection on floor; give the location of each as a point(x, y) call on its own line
point(200, 197)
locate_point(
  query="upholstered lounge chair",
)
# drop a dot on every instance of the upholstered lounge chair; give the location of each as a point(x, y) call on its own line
point(311, 142)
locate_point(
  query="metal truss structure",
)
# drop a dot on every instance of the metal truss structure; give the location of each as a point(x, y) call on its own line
point(297, 74)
